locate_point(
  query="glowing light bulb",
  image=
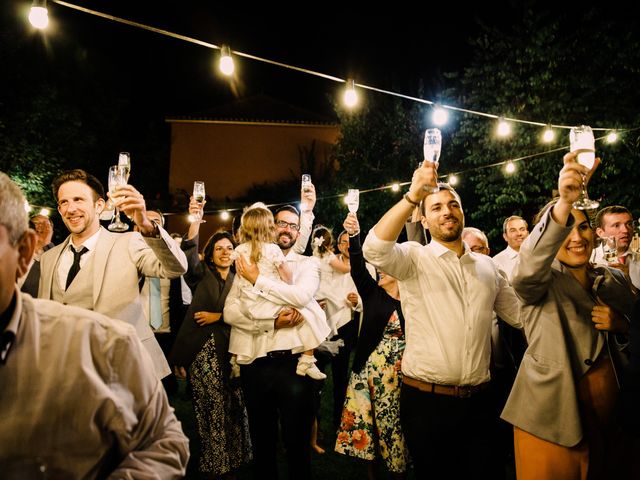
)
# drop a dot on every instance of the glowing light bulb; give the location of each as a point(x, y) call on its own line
point(27, 207)
point(224, 215)
point(440, 116)
point(350, 94)
point(226, 61)
point(548, 135)
point(39, 17)
point(395, 187)
point(510, 167)
point(45, 212)
point(191, 218)
point(612, 137)
point(504, 128)
point(453, 180)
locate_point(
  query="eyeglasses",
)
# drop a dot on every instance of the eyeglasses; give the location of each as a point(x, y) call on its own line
point(292, 226)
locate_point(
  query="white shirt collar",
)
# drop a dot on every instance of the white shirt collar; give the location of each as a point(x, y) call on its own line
point(89, 243)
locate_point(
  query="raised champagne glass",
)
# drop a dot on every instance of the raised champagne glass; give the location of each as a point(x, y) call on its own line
point(582, 142)
point(117, 177)
point(432, 148)
point(199, 196)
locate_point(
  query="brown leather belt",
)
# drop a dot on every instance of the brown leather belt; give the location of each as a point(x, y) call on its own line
point(464, 391)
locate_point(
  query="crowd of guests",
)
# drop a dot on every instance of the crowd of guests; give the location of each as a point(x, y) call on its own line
point(444, 360)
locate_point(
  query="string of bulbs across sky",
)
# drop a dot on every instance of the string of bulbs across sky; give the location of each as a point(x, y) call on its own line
point(39, 18)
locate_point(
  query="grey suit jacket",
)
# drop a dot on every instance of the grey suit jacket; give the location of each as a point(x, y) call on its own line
point(119, 260)
point(563, 343)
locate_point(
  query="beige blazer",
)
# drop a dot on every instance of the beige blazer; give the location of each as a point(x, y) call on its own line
point(119, 261)
point(563, 343)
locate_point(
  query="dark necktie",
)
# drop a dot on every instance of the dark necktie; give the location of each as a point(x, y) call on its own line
point(75, 267)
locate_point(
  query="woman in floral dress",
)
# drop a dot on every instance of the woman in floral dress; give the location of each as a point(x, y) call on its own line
point(370, 424)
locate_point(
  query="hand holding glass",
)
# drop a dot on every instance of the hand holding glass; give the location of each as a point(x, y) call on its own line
point(117, 177)
point(199, 196)
point(609, 249)
point(583, 143)
point(432, 148)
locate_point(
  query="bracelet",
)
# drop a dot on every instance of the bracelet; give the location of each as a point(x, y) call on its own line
point(408, 199)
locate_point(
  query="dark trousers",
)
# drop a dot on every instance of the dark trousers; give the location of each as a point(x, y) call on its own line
point(273, 391)
point(449, 437)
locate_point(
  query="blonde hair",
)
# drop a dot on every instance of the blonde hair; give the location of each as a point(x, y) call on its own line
point(324, 246)
point(257, 226)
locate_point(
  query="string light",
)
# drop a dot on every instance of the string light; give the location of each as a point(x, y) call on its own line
point(510, 167)
point(226, 64)
point(38, 15)
point(548, 135)
point(453, 180)
point(350, 94)
point(395, 187)
point(504, 128)
point(45, 212)
point(191, 218)
point(440, 116)
point(27, 207)
point(224, 215)
point(612, 137)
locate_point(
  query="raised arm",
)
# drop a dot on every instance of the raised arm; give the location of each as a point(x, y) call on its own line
point(307, 202)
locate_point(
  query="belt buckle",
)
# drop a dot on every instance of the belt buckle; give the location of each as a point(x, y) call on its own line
point(463, 392)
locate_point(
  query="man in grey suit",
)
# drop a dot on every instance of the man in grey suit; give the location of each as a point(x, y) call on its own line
point(99, 270)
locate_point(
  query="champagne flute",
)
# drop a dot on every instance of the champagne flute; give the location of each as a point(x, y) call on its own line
point(117, 177)
point(432, 148)
point(306, 182)
point(199, 196)
point(124, 160)
point(582, 142)
point(353, 199)
point(609, 249)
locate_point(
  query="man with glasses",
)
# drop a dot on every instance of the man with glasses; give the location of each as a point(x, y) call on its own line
point(272, 389)
point(616, 221)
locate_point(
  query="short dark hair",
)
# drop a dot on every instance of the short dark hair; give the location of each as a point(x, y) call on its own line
point(610, 210)
point(287, 208)
point(78, 175)
point(441, 186)
point(207, 252)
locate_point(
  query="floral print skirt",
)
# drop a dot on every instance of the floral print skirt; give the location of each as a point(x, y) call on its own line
point(222, 420)
point(370, 424)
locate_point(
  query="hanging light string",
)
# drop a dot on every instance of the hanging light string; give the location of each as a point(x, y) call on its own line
point(310, 72)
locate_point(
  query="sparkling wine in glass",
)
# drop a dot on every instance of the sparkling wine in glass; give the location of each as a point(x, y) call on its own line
point(117, 177)
point(582, 141)
point(124, 160)
point(199, 196)
point(609, 249)
point(432, 148)
point(306, 182)
point(353, 199)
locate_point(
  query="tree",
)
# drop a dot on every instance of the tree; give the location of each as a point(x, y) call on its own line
point(558, 69)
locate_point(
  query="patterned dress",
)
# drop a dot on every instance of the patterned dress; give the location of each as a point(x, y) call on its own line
point(220, 413)
point(370, 424)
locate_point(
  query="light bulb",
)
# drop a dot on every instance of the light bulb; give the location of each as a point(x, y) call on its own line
point(191, 218)
point(45, 212)
point(226, 61)
point(395, 187)
point(504, 128)
point(440, 116)
point(27, 207)
point(612, 137)
point(350, 94)
point(510, 167)
point(224, 215)
point(39, 17)
point(548, 135)
point(453, 180)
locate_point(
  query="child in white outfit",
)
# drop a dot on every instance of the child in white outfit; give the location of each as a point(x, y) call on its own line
point(257, 232)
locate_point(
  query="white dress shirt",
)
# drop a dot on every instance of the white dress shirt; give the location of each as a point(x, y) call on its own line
point(506, 261)
point(448, 305)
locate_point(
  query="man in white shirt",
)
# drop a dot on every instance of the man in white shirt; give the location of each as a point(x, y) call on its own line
point(616, 221)
point(273, 392)
point(79, 397)
point(448, 295)
point(514, 231)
